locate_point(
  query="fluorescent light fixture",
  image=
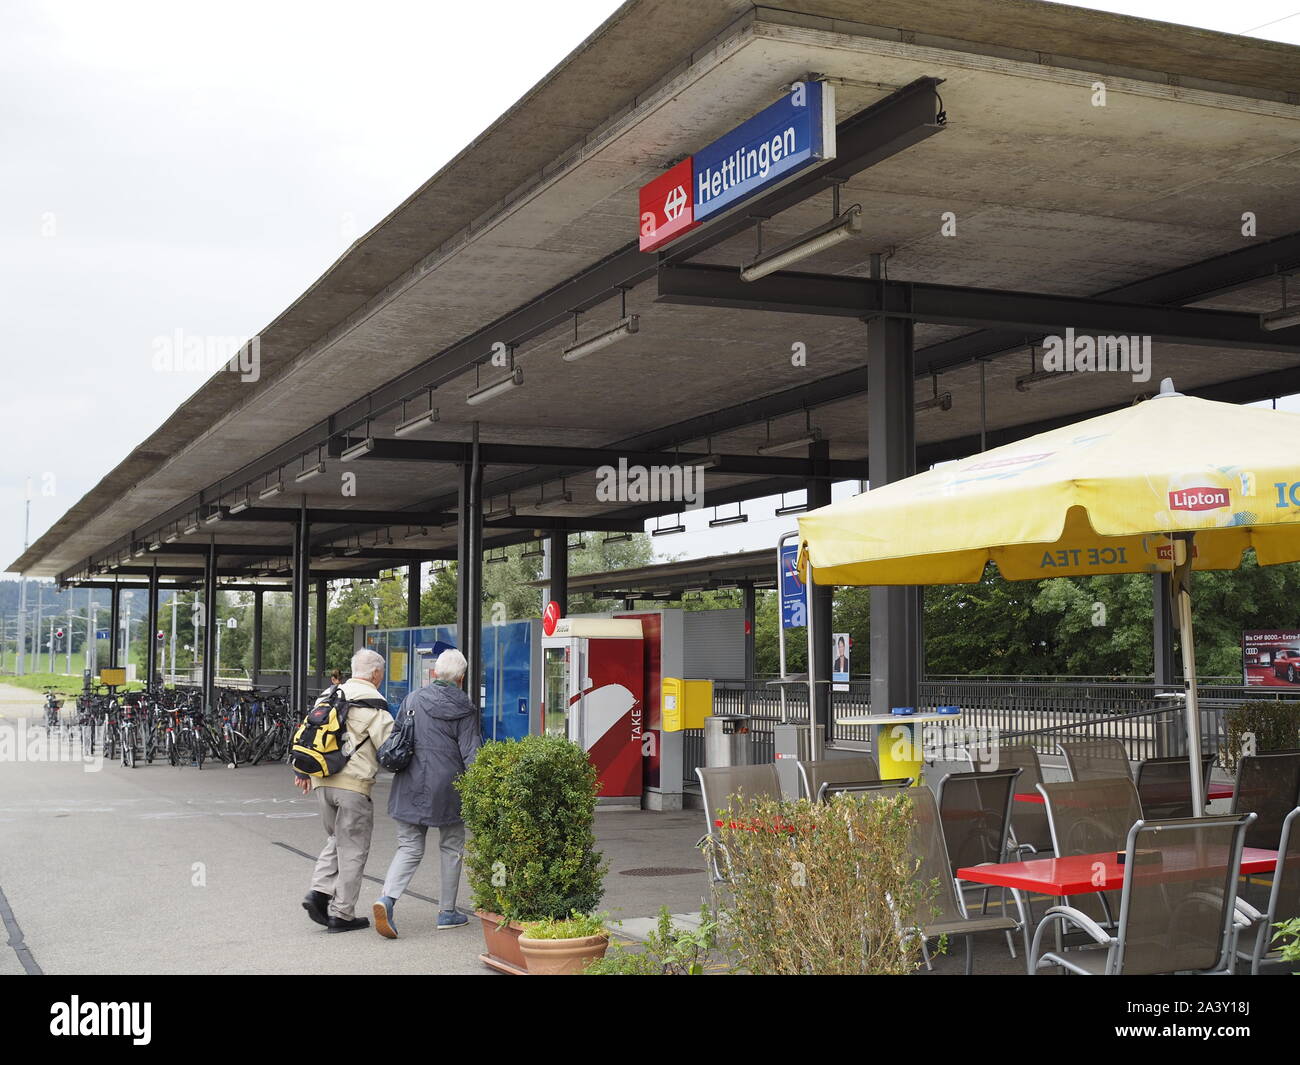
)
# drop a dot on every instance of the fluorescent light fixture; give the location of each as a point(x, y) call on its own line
point(173, 536)
point(213, 516)
point(943, 401)
point(561, 500)
point(357, 450)
point(352, 550)
point(667, 530)
point(778, 446)
point(500, 512)
point(415, 534)
point(138, 550)
point(581, 349)
point(155, 545)
point(413, 425)
point(1282, 318)
point(827, 235)
point(617, 537)
point(1023, 383)
point(308, 472)
point(271, 490)
point(192, 528)
point(735, 519)
point(239, 506)
point(483, 393)
point(329, 556)
point(793, 508)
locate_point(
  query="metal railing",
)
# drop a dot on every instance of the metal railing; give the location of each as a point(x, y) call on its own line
point(1038, 710)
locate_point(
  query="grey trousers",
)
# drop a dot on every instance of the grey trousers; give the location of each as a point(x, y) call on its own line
point(349, 817)
point(410, 849)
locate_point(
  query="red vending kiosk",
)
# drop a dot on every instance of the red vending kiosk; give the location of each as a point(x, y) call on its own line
point(594, 670)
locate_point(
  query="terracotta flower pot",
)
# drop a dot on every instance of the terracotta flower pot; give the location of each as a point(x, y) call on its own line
point(562, 957)
point(501, 942)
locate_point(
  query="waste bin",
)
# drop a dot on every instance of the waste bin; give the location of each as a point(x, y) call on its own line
point(726, 740)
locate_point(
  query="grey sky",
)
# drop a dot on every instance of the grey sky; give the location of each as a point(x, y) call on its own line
point(195, 166)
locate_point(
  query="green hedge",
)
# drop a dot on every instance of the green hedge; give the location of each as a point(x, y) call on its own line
point(1274, 724)
point(530, 807)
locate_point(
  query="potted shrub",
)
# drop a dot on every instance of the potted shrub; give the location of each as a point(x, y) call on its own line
point(563, 947)
point(1264, 725)
point(530, 807)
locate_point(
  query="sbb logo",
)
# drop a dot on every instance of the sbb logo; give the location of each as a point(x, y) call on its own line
point(674, 203)
point(1203, 498)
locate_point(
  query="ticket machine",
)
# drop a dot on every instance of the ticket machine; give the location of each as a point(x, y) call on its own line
point(594, 678)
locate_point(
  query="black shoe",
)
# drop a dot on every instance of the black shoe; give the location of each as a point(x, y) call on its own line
point(338, 924)
point(315, 903)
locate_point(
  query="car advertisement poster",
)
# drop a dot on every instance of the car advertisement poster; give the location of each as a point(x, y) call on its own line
point(1271, 658)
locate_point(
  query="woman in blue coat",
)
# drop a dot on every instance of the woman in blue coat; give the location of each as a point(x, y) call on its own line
point(447, 736)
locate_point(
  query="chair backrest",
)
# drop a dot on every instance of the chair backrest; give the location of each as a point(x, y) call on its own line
point(861, 788)
point(1094, 758)
point(722, 788)
point(1090, 816)
point(1268, 784)
point(1165, 787)
point(1176, 909)
point(1028, 819)
point(975, 809)
point(929, 849)
point(1284, 898)
point(859, 769)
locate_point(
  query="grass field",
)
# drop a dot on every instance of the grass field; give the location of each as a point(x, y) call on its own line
point(59, 681)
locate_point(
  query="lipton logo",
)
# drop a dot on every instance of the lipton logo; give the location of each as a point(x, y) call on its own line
point(1199, 499)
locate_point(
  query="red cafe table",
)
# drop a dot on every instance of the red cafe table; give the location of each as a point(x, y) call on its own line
point(1214, 791)
point(1081, 874)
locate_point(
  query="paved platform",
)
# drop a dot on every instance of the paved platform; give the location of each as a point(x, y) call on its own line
point(162, 870)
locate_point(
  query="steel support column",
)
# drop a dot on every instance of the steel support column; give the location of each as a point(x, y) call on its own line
point(1163, 628)
point(895, 611)
point(114, 624)
point(413, 594)
point(823, 598)
point(210, 626)
point(257, 634)
point(469, 570)
point(557, 571)
point(322, 630)
point(298, 642)
point(747, 599)
point(151, 620)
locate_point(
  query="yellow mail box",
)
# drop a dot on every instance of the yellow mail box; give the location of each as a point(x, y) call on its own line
point(686, 703)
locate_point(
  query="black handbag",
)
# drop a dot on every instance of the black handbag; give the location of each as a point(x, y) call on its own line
point(395, 754)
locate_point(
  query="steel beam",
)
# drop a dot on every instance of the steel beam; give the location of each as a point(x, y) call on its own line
point(1032, 312)
point(469, 573)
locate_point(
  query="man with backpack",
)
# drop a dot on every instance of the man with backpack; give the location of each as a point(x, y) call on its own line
point(335, 755)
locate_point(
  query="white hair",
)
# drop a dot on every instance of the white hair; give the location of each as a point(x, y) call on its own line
point(366, 661)
point(450, 666)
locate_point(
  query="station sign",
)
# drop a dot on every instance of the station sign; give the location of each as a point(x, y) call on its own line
point(796, 132)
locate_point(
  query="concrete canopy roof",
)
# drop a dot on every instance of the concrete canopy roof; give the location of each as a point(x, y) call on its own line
point(1050, 194)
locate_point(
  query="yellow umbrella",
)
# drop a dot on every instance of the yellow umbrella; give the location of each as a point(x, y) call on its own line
point(1145, 489)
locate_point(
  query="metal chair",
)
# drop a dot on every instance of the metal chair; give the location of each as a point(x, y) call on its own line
point(949, 916)
point(1030, 831)
point(1177, 908)
point(1090, 817)
point(1164, 786)
point(720, 790)
point(862, 788)
point(1268, 785)
point(975, 809)
point(1255, 944)
point(859, 769)
point(1095, 759)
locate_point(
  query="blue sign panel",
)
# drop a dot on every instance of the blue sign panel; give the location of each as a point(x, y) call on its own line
point(794, 133)
point(101, 634)
point(794, 607)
